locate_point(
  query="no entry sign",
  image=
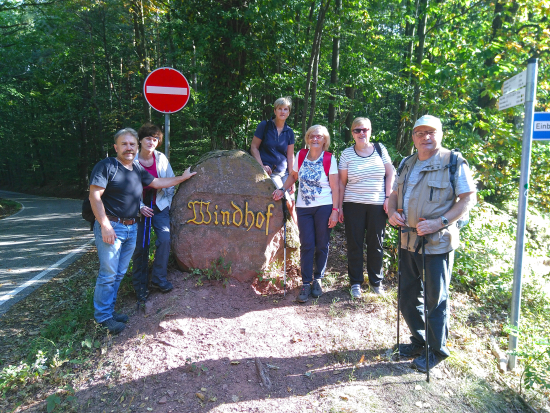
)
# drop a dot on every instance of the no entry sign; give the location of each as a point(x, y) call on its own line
point(166, 90)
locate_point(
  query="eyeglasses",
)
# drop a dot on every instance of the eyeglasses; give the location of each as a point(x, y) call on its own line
point(359, 130)
point(421, 134)
point(316, 137)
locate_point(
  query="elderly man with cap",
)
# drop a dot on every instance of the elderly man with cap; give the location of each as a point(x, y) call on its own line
point(426, 205)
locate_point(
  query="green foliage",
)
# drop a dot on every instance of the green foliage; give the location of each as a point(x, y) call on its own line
point(272, 274)
point(218, 270)
point(73, 75)
point(484, 265)
point(534, 352)
point(12, 377)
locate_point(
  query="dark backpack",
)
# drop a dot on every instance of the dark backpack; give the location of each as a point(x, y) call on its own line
point(87, 212)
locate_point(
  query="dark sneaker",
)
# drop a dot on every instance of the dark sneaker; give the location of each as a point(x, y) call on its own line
point(304, 293)
point(356, 291)
point(410, 350)
point(316, 290)
point(113, 326)
point(164, 287)
point(121, 318)
point(419, 363)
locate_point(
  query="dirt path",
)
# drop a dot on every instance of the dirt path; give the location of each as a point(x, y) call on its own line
point(215, 348)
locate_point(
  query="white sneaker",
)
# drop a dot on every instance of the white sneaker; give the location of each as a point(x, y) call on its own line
point(356, 291)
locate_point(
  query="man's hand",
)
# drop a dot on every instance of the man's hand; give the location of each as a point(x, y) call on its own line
point(428, 226)
point(396, 219)
point(108, 234)
point(147, 212)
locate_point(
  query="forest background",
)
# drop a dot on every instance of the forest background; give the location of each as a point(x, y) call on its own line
point(72, 73)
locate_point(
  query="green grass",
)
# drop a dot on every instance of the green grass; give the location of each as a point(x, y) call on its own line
point(8, 207)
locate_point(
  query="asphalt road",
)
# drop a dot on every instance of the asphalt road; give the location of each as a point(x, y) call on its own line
point(37, 243)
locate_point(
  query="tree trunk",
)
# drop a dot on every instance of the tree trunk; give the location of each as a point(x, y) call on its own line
point(404, 125)
point(334, 67)
point(314, 89)
point(419, 53)
point(316, 44)
point(350, 94)
point(226, 75)
point(141, 50)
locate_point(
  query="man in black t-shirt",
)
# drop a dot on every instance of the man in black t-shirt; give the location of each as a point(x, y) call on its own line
point(116, 185)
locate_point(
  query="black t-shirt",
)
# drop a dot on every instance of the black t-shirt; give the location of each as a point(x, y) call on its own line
point(123, 188)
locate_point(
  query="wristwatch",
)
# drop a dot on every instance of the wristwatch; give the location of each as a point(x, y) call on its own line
point(444, 221)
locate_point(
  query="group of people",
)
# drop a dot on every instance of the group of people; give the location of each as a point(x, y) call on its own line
point(424, 201)
point(354, 191)
point(362, 191)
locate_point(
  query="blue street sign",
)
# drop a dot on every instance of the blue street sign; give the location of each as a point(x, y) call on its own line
point(541, 126)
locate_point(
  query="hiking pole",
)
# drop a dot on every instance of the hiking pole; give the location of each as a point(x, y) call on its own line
point(145, 257)
point(285, 213)
point(399, 211)
point(426, 324)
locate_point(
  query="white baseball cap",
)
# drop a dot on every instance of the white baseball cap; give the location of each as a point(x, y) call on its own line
point(429, 120)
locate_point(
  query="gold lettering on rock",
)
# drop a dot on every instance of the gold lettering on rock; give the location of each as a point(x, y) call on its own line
point(258, 225)
point(209, 214)
point(225, 214)
point(240, 211)
point(268, 215)
point(191, 205)
point(246, 212)
point(257, 220)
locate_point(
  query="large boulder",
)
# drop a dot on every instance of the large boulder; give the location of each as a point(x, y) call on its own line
point(226, 211)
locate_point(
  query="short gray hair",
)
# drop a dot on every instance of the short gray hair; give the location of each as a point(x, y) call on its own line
point(126, 131)
point(284, 101)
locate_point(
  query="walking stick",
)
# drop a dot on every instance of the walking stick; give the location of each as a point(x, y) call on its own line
point(145, 255)
point(399, 211)
point(285, 213)
point(426, 324)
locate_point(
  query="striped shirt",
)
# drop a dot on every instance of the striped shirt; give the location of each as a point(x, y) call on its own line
point(365, 176)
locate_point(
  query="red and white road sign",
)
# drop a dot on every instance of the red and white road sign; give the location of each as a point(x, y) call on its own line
point(166, 90)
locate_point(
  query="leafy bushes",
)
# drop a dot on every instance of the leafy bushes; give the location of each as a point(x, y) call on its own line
point(484, 264)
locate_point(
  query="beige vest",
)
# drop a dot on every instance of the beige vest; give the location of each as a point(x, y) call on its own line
point(430, 198)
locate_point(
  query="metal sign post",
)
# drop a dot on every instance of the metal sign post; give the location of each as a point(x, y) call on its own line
point(167, 135)
point(530, 95)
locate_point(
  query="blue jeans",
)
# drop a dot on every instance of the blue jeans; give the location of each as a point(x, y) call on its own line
point(113, 263)
point(438, 277)
point(314, 240)
point(161, 224)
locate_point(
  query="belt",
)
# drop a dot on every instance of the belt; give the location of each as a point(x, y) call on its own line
point(123, 221)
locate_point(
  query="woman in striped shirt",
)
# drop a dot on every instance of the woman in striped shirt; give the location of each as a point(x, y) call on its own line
point(366, 177)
